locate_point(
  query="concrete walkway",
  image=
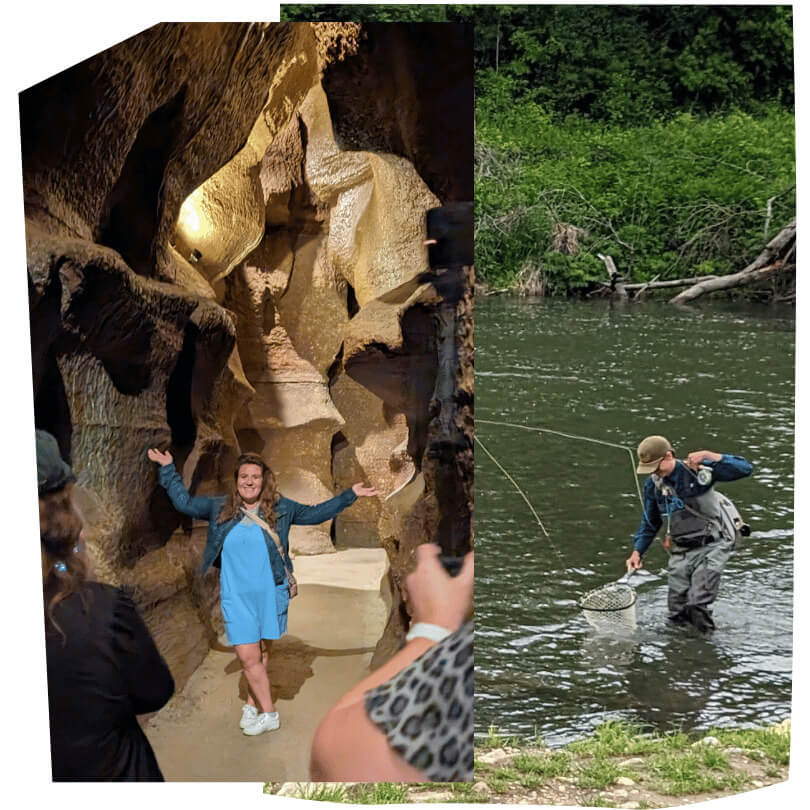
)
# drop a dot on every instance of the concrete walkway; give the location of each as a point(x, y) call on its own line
point(334, 624)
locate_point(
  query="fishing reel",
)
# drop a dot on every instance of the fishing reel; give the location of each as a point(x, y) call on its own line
point(704, 476)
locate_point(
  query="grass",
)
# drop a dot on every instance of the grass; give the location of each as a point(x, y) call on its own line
point(667, 764)
point(773, 744)
point(500, 780)
point(380, 793)
point(495, 740)
point(321, 793)
point(547, 766)
point(617, 737)
point(701, 771)
point(599, 773)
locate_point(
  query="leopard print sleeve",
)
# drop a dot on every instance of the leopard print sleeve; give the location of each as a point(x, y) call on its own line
point(426, 710)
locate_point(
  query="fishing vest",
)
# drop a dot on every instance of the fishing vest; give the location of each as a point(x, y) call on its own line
point(704, 518)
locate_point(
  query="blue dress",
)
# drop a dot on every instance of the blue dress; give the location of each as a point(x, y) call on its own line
point(253, 606)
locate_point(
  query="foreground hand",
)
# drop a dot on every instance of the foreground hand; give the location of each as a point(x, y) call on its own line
point(159, 457)
point(696, 458)
point(633, 562)
point(436, 597)
point(363, 491)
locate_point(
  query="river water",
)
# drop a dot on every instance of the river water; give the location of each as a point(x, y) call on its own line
point(716, 377)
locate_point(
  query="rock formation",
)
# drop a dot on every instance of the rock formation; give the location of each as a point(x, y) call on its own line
point(209, 271)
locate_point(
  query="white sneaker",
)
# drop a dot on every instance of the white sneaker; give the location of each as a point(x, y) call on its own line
point(266, 721)
point(249, 715)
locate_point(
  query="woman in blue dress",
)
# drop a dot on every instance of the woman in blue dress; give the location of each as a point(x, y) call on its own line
point(248, 539)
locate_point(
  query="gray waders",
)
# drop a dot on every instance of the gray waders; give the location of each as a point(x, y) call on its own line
point(708, 528)
point(694, 581)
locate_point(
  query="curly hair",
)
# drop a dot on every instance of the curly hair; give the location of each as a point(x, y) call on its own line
point(268, 497)
point(64, 565)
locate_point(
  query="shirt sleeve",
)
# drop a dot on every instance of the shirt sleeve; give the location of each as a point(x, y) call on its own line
point(311, 515)
point(146, 675)
point(426, 709)
point(729, 468)
point(197, 506)
point(650, 520)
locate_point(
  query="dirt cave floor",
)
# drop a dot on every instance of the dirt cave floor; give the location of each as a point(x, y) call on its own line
point(334, 625)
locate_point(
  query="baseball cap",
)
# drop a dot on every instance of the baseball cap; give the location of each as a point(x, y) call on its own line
point(651, 452)
point(53, 472)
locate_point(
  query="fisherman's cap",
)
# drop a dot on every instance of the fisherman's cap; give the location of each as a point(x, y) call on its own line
point(53, 472)
point(651, 453)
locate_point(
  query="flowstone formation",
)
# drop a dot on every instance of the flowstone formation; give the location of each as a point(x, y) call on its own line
point(203, 260)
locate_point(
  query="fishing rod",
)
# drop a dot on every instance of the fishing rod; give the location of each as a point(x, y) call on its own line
point(567, 436)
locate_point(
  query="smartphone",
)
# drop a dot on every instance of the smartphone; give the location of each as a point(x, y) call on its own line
point(451, 564)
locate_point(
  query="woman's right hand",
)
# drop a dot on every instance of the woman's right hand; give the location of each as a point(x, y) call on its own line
point(159, 457)
point(436, 597)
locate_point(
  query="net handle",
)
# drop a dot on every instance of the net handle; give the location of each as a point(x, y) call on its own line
point(625, 580)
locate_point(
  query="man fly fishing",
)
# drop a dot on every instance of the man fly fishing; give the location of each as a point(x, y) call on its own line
point(701, 525)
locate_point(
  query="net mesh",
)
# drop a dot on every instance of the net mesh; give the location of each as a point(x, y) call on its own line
point(611, 607)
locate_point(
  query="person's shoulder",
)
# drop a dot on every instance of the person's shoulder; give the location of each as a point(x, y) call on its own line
point(284, 505)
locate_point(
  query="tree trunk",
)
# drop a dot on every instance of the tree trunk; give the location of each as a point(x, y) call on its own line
point(774, 259)
point(616, 286)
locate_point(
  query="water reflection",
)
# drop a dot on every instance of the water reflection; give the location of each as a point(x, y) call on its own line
point(720, 377)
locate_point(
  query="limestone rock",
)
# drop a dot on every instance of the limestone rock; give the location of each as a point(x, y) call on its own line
point(497, 756)
point(209, 271)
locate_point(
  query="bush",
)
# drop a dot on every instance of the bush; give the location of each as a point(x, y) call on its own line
point(684, 197)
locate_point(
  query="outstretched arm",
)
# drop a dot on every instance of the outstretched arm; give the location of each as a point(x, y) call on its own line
point(650, 524)
point(197, 506)
point(312, 515)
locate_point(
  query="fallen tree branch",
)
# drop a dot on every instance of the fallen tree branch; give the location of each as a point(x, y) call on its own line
point(660, 285)
point(616, 286)
point(768, 263)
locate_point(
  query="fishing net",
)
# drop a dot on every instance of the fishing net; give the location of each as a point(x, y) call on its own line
point(610, 608)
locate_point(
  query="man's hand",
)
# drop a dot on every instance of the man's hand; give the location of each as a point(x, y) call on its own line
point(158, 457)
point(697, 457)
point(436, 597)
point(362, 491)
point(633, 562)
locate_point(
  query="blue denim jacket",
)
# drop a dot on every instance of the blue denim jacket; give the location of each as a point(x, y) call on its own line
point(288, 512)
point(684, 482)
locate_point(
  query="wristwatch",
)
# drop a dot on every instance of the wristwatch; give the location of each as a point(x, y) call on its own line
point(434, 632)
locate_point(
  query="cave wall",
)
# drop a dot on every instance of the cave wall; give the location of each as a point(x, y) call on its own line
point(203, 259)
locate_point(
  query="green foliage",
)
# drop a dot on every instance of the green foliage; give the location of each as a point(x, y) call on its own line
point(660, 132)
point(349, 12)
point(321, 793)
point(683, 197)
point(773, 743)
point(546, 766)
point(623, 64)
point(599, 774)
point(680, 773)
point(616, 737)
point(379, 793)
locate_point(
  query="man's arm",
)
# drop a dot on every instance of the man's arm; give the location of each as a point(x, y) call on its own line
point(650, 520)
point(724, 466)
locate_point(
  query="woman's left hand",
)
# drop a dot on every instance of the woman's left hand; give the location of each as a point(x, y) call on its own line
point(362, 491)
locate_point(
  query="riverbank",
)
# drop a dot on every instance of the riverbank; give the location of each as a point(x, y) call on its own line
point(616, 766)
